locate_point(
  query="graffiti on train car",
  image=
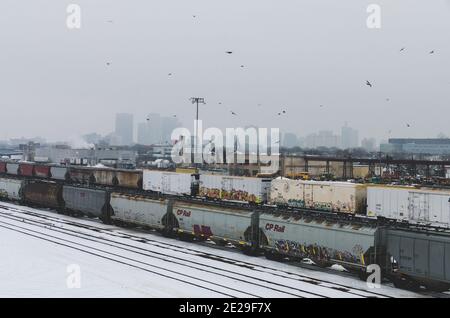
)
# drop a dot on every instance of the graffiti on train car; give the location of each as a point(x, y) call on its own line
point(185, 213)
point(317, 252)
point(202, 230)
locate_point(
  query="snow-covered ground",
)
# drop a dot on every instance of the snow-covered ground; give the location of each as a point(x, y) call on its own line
point(42, 254)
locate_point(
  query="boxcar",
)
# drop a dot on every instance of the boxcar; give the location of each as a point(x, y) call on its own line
point(11, 189)
point(426, 206)
point(89, 202)
point(138, 210)
point(214, 222)
point(232, 188)
point(167, 182)
point(321, 241)
point(2, 167)
point(129, 178)
point(343, 197)
point(43, 194)
point(59, 173)
point(42, 171)
point(26, 169)
point(12, 168)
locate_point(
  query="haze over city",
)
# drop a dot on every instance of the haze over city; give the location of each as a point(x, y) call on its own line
point(311, 59)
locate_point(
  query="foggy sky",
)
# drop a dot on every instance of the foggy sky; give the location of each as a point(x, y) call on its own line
point(55, 83)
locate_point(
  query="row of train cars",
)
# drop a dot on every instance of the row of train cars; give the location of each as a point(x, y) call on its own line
point(405, 204)
point(409, 258)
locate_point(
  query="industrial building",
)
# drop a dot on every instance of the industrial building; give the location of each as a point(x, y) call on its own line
point(431, 146)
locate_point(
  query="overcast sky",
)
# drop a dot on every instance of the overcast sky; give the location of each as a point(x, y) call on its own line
point(297, 55)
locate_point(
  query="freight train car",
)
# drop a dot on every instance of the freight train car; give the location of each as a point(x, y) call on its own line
point(59, 173)
point(85, 201)
point(414, 259)
point(2, 167)
point(44, 194)
point(167, 182)
point(408, 204)
point(26, 169)
point(81, 175)
point(42, 171)
point(344, 197)
point(242, 189)
point(104, 176)
point(324, 242)
point(12, 168)
point(11, 189)
point(131, 179)
point(216, 223)
point(141, 211)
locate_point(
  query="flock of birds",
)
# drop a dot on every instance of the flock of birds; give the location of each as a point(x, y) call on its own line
point(282, 112)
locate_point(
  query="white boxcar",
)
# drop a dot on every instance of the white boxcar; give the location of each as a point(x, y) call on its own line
point(322, 195)
point(427, 206)
point(213, 222)
point(138, 210)
point(234, 188)
point(167, 182)
point(11, 189)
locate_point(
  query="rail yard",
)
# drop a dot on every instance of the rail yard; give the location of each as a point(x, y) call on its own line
point(328, 223)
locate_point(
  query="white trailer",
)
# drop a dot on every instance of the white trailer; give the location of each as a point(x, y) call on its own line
point(167, 182)
point(231, 188)
point(424, 206)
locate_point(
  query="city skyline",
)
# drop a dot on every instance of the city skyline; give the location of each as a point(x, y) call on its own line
point(320, 80)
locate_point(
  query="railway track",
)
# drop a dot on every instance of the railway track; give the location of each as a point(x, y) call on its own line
point(281, 282)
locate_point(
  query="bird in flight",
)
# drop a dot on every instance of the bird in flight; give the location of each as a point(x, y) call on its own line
point(229, 52)
point(108, 63)
point(408, 125)
point(368, 83)
point(432, 52)
point(233, 113)
point(402, 49)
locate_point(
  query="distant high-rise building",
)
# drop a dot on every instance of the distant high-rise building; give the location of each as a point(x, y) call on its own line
point(157, 129)
point(324, 138)
point(349, 137)
point(369, 144)
point(124, 129)
point(290, 140)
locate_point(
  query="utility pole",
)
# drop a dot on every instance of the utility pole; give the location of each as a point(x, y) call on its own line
point(197, 101)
